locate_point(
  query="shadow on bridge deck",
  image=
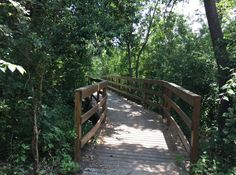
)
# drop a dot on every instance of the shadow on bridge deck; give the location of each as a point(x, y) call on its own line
point(133, 141)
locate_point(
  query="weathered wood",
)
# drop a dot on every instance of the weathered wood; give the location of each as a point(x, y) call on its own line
point(89, 113)
point(180, 112)
point(88, 90)
point(92, 132)
point(167, 106)
point(81, 93)
point(145, 96)
point(184, 94)
point(142, 91)
point(78, 128)
point(178, 130)
point(195, 131)
point(104, 105)
point(137, 144)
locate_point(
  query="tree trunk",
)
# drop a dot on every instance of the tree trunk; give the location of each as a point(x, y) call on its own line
point(35, 139)
point(37, 91)
point(129, 57)
point(145, 40)
point(221, 55)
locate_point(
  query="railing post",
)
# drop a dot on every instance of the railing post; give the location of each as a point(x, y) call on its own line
point(195, 130)
point(145, 95)
point(98, 95)
point(78, 126)
point(127, 84)
point(167, 106)
point(119, 83)
point(104, 107)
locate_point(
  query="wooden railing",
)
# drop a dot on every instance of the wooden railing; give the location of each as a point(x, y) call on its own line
point(163, 95)
point(82, 116)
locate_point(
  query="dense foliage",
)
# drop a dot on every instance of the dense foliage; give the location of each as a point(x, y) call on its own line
point(53, 42)
point(48, 47)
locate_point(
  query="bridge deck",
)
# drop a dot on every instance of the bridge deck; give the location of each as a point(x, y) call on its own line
point(133, 141)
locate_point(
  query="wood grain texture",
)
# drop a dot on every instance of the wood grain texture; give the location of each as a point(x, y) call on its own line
point(133, 141)
point(142, 91)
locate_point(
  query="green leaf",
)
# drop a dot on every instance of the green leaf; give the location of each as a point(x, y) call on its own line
point(21, 69)
point(225, 86)
point(230, 92)
point(11, 67)
point(225, 98)
point(3, 69)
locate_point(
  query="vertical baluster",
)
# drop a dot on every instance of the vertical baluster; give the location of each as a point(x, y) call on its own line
point(104, 107)
point(145, 94)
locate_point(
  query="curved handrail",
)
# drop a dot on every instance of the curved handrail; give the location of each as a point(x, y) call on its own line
point(142, 89)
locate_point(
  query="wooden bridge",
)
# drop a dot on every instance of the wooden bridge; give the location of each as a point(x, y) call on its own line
point(147, 133)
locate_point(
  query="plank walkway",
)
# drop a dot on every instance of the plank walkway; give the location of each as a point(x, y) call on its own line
point(133, 141)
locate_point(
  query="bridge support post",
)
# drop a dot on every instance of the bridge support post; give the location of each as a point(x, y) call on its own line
point(145, 94)
point(195, 130)
point(167, 106)
point(104, 107)
point(78, 126)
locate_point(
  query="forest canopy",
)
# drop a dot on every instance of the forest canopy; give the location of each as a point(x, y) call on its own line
point(48, 48)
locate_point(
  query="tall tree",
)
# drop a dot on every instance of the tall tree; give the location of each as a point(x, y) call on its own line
point(152, 13)
point(221, 55)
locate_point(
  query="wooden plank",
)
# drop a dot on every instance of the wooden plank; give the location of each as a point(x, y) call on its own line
point(88, 90)
point(178, 130)
point(184, 94)
point(92, 132)
point(126, 94)
point(78, 127)
point(89, 114)
point(180, 112)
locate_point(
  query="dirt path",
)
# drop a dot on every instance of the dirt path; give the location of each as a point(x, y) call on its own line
point(131, 142)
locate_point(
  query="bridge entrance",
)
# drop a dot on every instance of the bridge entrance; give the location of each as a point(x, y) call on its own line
point(133, 139)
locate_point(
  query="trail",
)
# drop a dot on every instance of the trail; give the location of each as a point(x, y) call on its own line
point(133, 141)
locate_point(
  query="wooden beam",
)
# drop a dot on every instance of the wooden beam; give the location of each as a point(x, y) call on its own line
point(195, 131)
point(92, 132)
point(178, 130)
point(88, 90)
point(89, 113)
point(180, 112)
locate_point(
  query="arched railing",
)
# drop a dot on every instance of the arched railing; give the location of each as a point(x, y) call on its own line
point(163, 95)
